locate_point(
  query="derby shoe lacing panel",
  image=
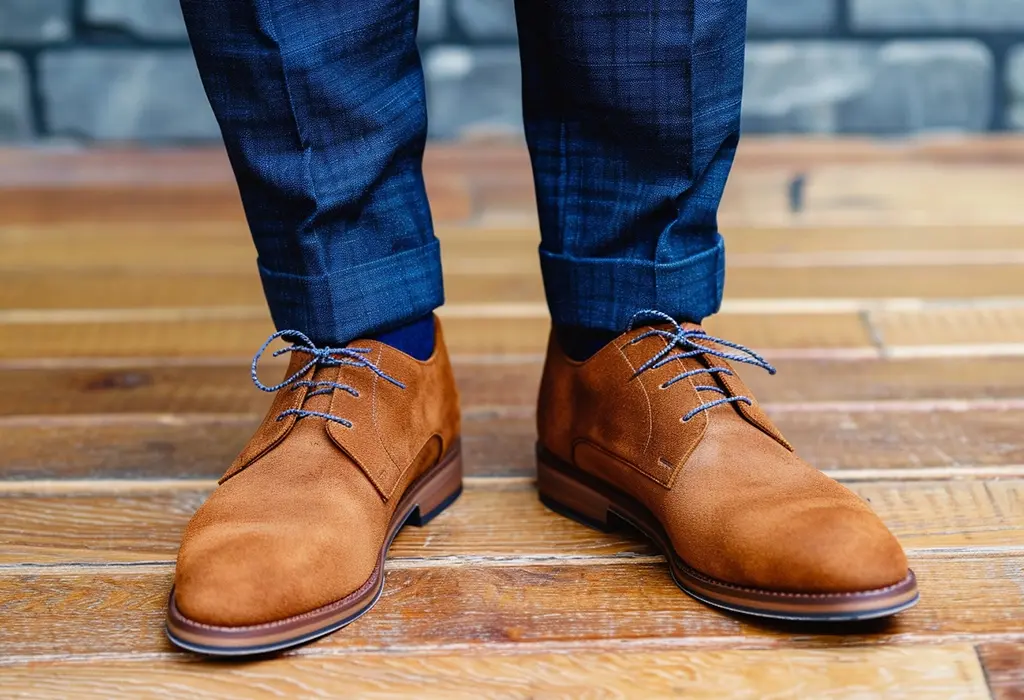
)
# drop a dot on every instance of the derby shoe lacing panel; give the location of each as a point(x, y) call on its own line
point(319, 357)
point(685, 341)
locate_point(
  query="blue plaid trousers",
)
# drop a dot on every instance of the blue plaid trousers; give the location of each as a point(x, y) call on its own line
point(631, 113)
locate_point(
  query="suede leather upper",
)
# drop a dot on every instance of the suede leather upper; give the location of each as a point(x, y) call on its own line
point(299, 519)
point(737, 503)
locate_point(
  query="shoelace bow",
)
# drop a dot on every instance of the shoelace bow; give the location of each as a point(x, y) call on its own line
point(683, 339)
point(322, 357)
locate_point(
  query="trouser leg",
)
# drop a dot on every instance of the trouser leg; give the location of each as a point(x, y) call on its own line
point(321, 105)
point(632, 114)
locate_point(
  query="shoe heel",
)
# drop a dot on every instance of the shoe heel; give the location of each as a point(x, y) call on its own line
point(440, 492)
point(572, 499)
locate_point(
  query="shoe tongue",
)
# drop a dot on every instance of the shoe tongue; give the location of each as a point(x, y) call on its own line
point(696, 361)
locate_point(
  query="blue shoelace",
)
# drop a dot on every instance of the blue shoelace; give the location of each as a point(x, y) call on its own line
point(684, 340)
point(321, 357)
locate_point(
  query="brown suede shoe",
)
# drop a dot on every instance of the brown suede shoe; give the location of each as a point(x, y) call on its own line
point(656, 431)
point(358, 442)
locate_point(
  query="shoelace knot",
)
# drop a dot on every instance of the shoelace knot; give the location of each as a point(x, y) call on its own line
point(684, 339)
point(322, 357)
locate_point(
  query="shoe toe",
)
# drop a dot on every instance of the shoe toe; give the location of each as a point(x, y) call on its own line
point(838, 550)
point(818, 549)
point(240, 574)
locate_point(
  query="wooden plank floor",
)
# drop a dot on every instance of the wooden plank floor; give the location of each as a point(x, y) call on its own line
point(891, 299)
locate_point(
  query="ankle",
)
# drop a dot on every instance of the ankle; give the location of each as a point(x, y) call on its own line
point(415, 338)
point(580, 343)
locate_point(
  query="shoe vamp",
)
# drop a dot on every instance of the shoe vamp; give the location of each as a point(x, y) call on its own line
point(747, 511)
point(299, 528)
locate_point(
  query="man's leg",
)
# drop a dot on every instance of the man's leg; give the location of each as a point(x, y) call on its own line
point(321, 105)
point(322, 109)
point(632, 115)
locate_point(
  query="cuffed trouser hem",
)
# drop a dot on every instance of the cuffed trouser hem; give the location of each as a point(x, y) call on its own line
point(605, 293)
point(358, 301)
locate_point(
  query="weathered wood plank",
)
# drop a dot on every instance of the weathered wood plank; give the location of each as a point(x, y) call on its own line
point(121, 610)
point(119, 288)
point(224, 386)
point(30, 167)
point(849, 181)
point(464, 334)
point(895, 672)
point(211, 197)
point(168, 447)
point(964, 326)
point(1004, 669)
point(160, 246)
point(498, 442)
point(829, 439)
point(492, 520)
point(835, 195)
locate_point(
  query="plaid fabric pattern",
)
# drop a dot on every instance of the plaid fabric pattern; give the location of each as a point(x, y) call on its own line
point(322, 108)
point(631, 112)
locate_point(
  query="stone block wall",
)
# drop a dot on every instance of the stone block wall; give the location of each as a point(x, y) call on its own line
point(121, 70)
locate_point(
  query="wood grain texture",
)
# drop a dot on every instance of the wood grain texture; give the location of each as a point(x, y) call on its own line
point(918, 672)
point(492, 520)
point(952, 326)
point(587, 602)
point(500, 442)
point(224, 386)
point(209, 197)
point(830, 439)
point(132, 288)
point(873, 188)
point(239, 338)
point(846, 182)
point(225, 247)
point(892, 304)
point(1004, 669)
point(29, 167)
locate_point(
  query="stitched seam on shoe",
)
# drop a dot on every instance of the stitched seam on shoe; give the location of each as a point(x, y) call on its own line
point(647, 399)
point(674, 468)
point(611, 455)
point(401, 475)
point(289, 423)
point(376, 428)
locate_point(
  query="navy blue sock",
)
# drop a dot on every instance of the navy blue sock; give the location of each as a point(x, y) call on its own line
point(580, 343)
point(415, 338)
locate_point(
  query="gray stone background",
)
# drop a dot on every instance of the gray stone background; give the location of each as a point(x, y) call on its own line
point(121, 70)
